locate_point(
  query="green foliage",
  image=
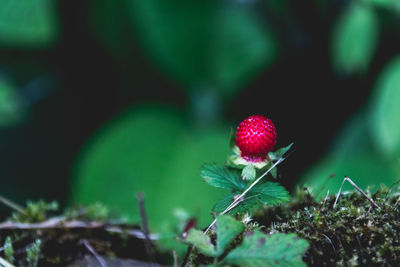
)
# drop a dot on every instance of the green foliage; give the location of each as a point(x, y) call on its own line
point(149, 150)
point(255, 249)
point(33, 253)
point(11, 106)
point(355, 38)
point(389, 4)
point(97, 212)
point(268, 193)
point(385, 126)
point(271, 193)
point(259, 249)
point(201, 241)
point(27, 23)
point(227, 229)
point(111, 25)
point(368, 147)
point(224, 45)
point(222, 177)
point(249, 204)
point(365, 170)
point(34, 212)
point(9, 250)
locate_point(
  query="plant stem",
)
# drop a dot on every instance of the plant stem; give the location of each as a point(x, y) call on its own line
point(12, 205)
point(145, 228)
point(358, 189)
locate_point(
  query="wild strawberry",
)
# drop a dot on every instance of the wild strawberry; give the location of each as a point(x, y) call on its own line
point(255, 137)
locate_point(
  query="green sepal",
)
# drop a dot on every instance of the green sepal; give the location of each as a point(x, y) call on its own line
point(249, 172)
point(236, 161)
point(274, 171)
point(280, 152)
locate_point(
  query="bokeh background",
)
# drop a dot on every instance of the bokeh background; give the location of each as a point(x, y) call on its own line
point(102, 99)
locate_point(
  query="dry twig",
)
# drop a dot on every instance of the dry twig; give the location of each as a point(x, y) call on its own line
point(91, 250)
point(358, 189)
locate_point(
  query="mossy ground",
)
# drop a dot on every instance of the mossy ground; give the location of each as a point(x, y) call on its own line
point(67, 239)
point(352, 234)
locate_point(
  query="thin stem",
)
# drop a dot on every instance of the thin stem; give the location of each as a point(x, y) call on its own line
point(145, 227)
point(99, 259)
point(186, 259)
point(175, 258)
point(12, 205)
point(358, 189)
point(5, 263)
point(323, 203)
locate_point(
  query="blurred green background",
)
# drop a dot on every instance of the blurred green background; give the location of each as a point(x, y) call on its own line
point(102, 99)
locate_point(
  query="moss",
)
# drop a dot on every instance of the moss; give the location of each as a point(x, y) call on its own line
point(57, 244)
point(352, 234)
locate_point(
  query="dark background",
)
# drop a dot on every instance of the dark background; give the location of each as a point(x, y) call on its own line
point(76, 85)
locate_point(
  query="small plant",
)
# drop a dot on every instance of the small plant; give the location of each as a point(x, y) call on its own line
point(9, 250)
point(96, 212)
point(251, 146)
point(243, 243)
point(256, 248)
point(33, 253)
point(34, 212)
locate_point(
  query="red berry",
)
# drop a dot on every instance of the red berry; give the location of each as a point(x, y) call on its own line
point(255, 137)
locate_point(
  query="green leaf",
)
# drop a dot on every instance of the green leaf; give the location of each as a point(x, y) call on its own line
point(201, 241)
point(364, 169)
point(390, 4)
point(249, 172)
point(223, 203)
point(259, 249)
point(355, 38)
point(267, 193)
point(12, 109)
point(150, 150)
point(271, 193)
point(26, 23)
point(353, 138)
point(227, 229)
point(280, 152)
point(222, 177)
point(110, 23)
point(274, 172)
point(210, 44)
point(250, 203)
point(384, 120)
point(352, 154)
